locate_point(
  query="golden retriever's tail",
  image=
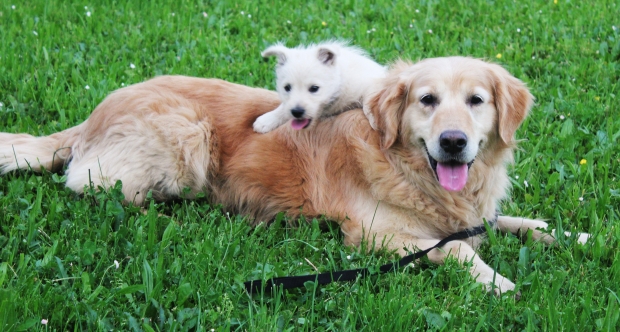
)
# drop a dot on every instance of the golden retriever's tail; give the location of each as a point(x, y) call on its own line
point(23, 151)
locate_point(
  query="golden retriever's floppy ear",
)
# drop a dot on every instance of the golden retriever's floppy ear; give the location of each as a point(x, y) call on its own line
point(385, 106)
point(513, 102)
point(277, 50)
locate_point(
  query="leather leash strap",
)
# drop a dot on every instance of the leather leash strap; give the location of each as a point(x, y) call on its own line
point(349, 275)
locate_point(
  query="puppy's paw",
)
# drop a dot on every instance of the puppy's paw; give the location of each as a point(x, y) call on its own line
point(261, 127)
point(266, 123)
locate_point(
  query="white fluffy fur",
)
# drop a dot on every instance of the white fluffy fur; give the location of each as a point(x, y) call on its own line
point(343, 74)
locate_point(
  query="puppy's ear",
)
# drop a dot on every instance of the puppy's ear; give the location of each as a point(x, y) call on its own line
point(277, 50)
point(327, 56)
point(386, 105)
point(513, 102)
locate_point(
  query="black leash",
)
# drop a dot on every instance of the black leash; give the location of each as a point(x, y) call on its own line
point(349, 275)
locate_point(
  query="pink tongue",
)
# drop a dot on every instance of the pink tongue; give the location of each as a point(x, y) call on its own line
point(452, 177)
point(298, 124)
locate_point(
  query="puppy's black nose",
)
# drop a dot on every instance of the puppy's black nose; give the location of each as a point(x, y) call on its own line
point(298, 112)
point(453, 141)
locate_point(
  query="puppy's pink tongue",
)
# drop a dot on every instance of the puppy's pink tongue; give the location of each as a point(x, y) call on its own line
point(298, 124)
point(452, 177)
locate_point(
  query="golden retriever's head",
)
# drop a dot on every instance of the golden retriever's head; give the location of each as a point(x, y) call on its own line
point(455, 108)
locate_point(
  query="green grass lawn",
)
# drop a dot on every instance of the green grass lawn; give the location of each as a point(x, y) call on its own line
point(90, 263)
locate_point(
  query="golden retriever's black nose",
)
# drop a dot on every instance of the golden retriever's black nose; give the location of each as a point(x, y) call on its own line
point(453, 141)
point(298, 112)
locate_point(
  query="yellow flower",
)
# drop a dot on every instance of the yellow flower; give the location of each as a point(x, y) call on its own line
point(555, 2)
point(583, 162)
point(324, 24)
point(597, 98)
point(499, 55)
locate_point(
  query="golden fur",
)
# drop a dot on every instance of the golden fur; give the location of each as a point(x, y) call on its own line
point(175, 132)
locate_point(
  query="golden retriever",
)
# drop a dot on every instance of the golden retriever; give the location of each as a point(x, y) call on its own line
point(434, 164)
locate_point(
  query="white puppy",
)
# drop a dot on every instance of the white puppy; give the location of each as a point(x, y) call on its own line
point(318, 81)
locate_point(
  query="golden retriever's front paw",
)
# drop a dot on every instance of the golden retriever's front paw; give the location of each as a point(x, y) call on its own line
point(501, 285)
point(503, 291)
point(582, 238)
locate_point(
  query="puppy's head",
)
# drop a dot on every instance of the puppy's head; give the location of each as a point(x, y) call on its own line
point(455, 109)
point(308, 80)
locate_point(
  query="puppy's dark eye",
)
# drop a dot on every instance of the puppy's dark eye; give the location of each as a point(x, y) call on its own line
point(475, 100)
point(287, 88)
point(428, 100)
point(313, 89)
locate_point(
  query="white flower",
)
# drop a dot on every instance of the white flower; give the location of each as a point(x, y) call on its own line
point(13, 7)
point(373, 29)
point(249, 15)
point(417, 10)
point(581, 199)
point(35, 33)
point(411, 25)
point(117, 264)
point(1, 104)
point(288, 22)
point(87, 87)
point(613, 27)
point(172, 14)
point(526, 184)
point(367, 31)
point(533, 57)
point(518, 30)
point(132, 66)
point(122, 84)
point(204, 14)
point(348, 256)
point(430, 31)
point(242, 12)
point(44, 321)
point(562, 117)
point(88, 14)
point(517, 177)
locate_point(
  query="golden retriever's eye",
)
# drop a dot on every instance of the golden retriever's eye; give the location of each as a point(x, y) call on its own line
point(313, 89)
point(475, 100)
point(287, 88)
point(428, 100)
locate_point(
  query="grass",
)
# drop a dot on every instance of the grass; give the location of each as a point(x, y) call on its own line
point(90, 263)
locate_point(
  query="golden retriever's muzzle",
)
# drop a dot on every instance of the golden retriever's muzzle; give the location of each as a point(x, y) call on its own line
point(450, 167)
point(453, 141)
